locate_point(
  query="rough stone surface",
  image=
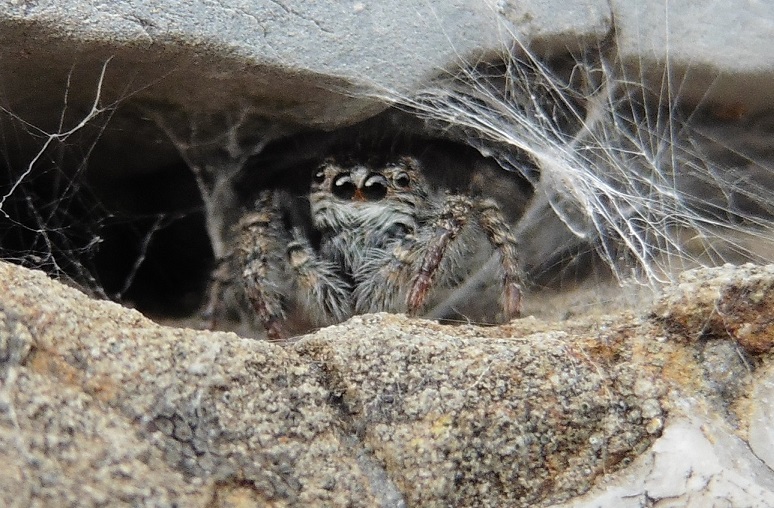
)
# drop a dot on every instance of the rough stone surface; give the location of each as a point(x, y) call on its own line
point(99, 405)
point(720, 306)
point(457, 417)
point(286, 60)
point(713, 48)
point(294, 63)
point(698, 461)
point(154, 415)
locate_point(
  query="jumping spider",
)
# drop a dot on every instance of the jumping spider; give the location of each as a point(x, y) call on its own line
point(382, 239)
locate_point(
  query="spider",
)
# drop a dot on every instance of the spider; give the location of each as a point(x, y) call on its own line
point(382, 239)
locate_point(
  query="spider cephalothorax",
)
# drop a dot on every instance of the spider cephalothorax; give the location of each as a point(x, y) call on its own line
point(360, 209)
point(385, 240)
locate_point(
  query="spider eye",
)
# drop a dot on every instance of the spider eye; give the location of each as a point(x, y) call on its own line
point(319, 177)
point(343, 187)
point(375, 187)
point(402, 179)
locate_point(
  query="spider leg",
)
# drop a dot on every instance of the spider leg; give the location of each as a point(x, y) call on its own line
point(499, 233)
point(382, 281)
point(279, 267)
point(453, 217)
point(220, 278)
point(257, 244)
point(323, 294)
point(456, 214)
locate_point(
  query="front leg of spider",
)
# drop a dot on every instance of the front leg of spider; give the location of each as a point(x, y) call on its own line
point(491, 220)
point(456, 214)
point(453, 217)
point(321, 293)
point(256, 255)
point(280, 269)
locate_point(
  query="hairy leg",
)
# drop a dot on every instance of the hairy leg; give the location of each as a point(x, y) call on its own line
point(220, 278)
point(382, 281)
point(453, 216)
point(323, 295)
point(457, 213)
point(499, 233)
point(279, 267)
point(258, 245)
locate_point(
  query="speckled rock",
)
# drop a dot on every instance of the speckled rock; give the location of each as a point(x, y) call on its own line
point(101, 406)
point(724, 304)
point(458, 418)
point(293, 63)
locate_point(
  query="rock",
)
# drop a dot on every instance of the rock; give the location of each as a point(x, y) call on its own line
point(100, 405)
point(553, 26)
point(144, 94)
point(286, 61)
point(697, 462)
point(295, 64)
point(462, 419)
point(711, 61)
point(725, 305)
point(761, 433)
point(118, 409)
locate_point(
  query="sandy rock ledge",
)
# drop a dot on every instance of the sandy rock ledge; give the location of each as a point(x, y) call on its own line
point(99, 405)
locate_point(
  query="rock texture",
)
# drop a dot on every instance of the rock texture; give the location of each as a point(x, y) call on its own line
point(286, 59)
point(714, 60)
point(294, 63)
point(100, 405)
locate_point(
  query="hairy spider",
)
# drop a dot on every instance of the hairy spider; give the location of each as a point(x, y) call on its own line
point(381, 239)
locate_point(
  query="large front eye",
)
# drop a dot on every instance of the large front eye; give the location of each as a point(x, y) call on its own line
point(402, 179)
point(343, 187)
point(375, 187)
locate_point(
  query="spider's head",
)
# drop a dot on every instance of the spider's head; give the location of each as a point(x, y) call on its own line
point(349, 193)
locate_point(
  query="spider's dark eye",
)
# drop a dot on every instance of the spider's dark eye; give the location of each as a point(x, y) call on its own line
point(402, 179)
point(375, 187)
point(343, 187)
point(319, 177)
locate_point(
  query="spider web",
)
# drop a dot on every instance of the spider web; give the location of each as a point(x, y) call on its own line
point(53, 218)
point(652, 188)
point(618, 167)
point(50, 219)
